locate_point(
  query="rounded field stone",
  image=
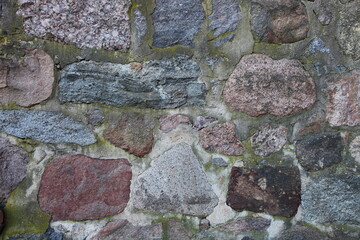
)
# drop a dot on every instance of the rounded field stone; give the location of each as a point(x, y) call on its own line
point(260, 85)
point(77, 187)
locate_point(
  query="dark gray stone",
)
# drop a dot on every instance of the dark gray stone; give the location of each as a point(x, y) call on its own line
point(50, 234)
point(219, 162)
point(301, 233)
point(225, 16)
point(166, 83)
point(319, 151)
point(48, 127)
point(95, 117)
point(334, 199)
point(177, 22)
point(13, 163)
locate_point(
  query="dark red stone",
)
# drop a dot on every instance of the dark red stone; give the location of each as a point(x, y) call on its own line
point(77, 187)
point(273, 190)
point(133, 133)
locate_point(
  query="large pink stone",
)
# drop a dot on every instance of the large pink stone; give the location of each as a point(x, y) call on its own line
point(222, 139)
point(77, 187)
point(343, 100)
point(260, 85)
point(29, 81)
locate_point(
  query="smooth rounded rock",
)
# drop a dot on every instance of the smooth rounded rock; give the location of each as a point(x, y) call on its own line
point(260, 85)
point(77, 187)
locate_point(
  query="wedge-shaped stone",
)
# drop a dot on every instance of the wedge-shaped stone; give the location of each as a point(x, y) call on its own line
point(175, 183)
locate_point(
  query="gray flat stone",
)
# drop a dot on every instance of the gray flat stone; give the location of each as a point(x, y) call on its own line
point(177, 22)
point(334, 199)
point(48, 127)
point(175, 183)
point(166, 83)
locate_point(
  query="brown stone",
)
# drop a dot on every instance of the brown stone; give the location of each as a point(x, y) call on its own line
point(343, 100)
point(29, 81)
point(123, 230)
point(221, 138)
point(133, 133)
point(13, 164)
point(273, 190)
point(170, 122)
point(279, 21)
point(77, 187)
point(260, 85)
point(241, 225)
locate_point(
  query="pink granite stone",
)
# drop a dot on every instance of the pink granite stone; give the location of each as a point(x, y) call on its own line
point(260, 85)
point(29, 81)
point(77, 187)
point(342, 105)
point(170, 122)
point(221, 138)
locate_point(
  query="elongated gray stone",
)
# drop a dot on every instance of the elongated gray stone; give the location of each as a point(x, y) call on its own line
point(177, 22)
point(48, 127)
point(334, 199)
point(166, 83)
point(175, 183)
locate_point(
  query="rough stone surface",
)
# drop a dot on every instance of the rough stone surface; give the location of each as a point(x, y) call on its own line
point(348, 33)
point(95, 117)
point(44, 126)
point(203, 121)
point(334, 199)
point(86, 24)
point(177, 22)
point(204, 224)
point(355, 149)
point(275, 21)
point(50, 234)
point(13, 164)
point(273, 190)
point(342, 105)
point(175, 182)
point(241, 225)
point(170, 122)
point(269, 140)
point(77, 187)
point(29, 81)
point(123, 230)
point(177, 231)
point(260, 85)
point(220, 162)
point(225, 16)
point(319, 151)
point(133, 132)
point(221, 138)
point(302, 233)
point(166, 83)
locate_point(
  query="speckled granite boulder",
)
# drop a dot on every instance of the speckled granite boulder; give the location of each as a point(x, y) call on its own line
point(77, 187)
point(86, 24)
point(29, 81)
point(268, 140)
point(260, 85)
point(175, 182)
point(13, 164)
point(275, 21)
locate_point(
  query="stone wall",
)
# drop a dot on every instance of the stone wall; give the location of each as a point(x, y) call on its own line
point(179, 119)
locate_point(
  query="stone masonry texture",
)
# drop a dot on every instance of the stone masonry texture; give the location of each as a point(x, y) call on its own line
point(77, 187)
point(168, 83)
point(260, 85)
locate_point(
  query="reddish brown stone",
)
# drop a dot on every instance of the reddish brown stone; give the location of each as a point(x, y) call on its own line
point(77, 187)
point(170, 122)
point(133, 133)
point(273, 190)
point(343, 100)
point(283, 21)
point(221, 138)
point(123, 230)
point(27, 82)
point(260, 85)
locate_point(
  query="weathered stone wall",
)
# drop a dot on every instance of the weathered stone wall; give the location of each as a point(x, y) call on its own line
point(179, 119)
